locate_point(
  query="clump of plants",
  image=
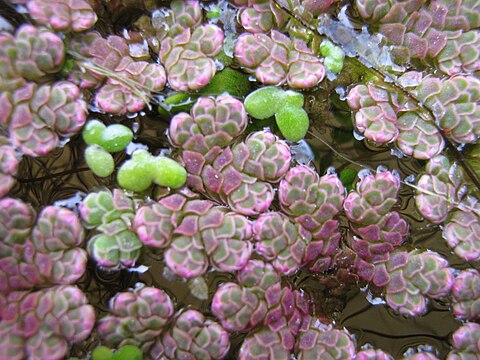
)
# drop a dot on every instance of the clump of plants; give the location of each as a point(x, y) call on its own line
point(286, 106)
point(227, 179)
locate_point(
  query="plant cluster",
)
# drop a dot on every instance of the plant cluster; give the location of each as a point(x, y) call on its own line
point(9, 160)
point(41, 257)
point(275, 59)
point(138, 173)
point(439, 33)
point(102, 141)
point(145, 317)
point(334, 56)
point(286, 106)
point(122, 84)
point(385, 115)
point(37, 114)
point(234, 209)
point(111, 214)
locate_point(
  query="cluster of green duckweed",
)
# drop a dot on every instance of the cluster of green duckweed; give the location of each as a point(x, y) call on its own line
point(102, 141)
point(334, 56)
point(286, 106)
point(126, 352)
point(138, 173)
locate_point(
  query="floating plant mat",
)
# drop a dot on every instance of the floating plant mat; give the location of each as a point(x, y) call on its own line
point(63, 174)
point(321, 169)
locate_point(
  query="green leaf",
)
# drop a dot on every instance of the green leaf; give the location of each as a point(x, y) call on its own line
point(333, 65)
point(169, 173)
point(265, 102)
point(102, 353)
point(293, 122)
point(177, 103)
point(116, 137)
point(294, 99)
point(128, 352)
point(228, 81)
point(99, 160)
point(348, 177)
point(326, 47)
point(214, 12)
point(93, 131)
point(136, 174)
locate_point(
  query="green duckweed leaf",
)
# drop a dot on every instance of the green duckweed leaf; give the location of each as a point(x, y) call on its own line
point(99, 160)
